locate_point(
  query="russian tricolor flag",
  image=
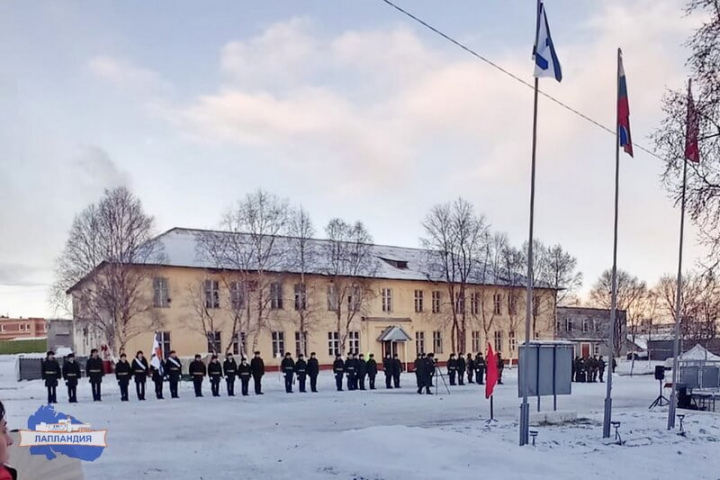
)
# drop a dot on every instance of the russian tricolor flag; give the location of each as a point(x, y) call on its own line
point(623, 110)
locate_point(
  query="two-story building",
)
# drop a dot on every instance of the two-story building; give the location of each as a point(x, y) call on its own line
point(200, 303)
point(589, 329)
point(18, 328)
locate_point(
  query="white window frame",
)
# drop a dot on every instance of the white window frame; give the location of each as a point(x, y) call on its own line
point(161, 292)
point(276, 296)
point(333, 343)
point(278, 343)
point(212, 294)
point(436, 301)
point(476, 343)
point(353, 341)
point(420, 342)
point(419, 301)
point(498, 340)
point(437, 342)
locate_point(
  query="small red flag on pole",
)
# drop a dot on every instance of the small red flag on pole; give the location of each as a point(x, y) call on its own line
point(692, 150)
point(492, 372)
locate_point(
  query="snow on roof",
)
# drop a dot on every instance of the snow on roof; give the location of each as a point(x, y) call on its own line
point(699, 353)
point(180, 248)
point(394, 334)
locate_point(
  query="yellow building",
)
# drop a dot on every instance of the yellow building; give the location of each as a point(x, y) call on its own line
point(201, 295)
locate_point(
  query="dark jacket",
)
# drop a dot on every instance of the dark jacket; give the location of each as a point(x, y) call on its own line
point(139, 373)
point(313, 367)
point(173, 371)
point(301, 367)
point(287, 365)
point(361, 367)
point(156, 374)
point(396, 366)
point(197, 369)
point(479, 363)
point(123, 371)
point(461, 364)
point(230, 368)
point(388, 366)
point(417, 366)
point(214, 370)
point(350, 366)
point(243, 370)
point(452, 365)
point(339, 366)
point(50, 372)
point(94, 370)
point(71, 373)
point(372, 367)
point(470, 364)
point(257, 367)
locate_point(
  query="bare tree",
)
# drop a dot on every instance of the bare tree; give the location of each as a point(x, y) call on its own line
point(455, 240)
point(350, 265)
point(630, 294)
point(203, 299)
point(514, 263)
point(112, 239)
point(303, 255)
point(703, 181)
point(483, 299)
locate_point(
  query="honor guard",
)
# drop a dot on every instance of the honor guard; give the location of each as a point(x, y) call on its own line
point(396, 369)
point(140, 374)
point(158, 376)
point(313, 370)
point(339, 370)
point(197, 373)
point(288, 368)
point(470, 367)
point(71, 374)
point(361, 371)
point(372, 370)
point(388, 370)
point(94, 371)
point(173, 368)
point(350, 371)
point(230, 371)
point(123, 372)
point(50, 372)
point(244, 372)
point(452, 368)
point(257, 367)
point(215, 374)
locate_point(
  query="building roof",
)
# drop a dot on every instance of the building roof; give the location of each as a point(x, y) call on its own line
point(182, 247)
point(394, 334)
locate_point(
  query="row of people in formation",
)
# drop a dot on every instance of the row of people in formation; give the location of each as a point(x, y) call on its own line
point(474, 367)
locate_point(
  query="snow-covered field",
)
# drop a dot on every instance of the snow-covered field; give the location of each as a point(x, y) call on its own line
point(373, 435)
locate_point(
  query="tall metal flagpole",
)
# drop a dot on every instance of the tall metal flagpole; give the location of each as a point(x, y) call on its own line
point(613, 296)
point(678, 293)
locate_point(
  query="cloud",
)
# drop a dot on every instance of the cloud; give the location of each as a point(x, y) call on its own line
point(125, 75)
point(98, 169)
point(20, 275)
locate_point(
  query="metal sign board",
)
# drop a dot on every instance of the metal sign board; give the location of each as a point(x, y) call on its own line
point(549, 368)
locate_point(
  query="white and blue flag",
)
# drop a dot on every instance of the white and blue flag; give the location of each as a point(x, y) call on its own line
point(546, 60)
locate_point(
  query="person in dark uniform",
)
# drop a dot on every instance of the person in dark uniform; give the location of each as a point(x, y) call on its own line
point(416, 369)
point(94, 371)
point(339, 370)
point(461, 368)
point(350, 371)
point(361, 371)
point(71, 374)
point(313, 370)
point(288, 368)
point(197, 372)
point(257, 367)
point(123, 372)
point(601, 368)
point(244, 373)
point(470, 367)
point(173, 367)
point(426, 366)
point(614, 365)
point(157, 374)
point(301, 372)
point(500, 367)
point(452, 368)
point(480, 369)
point(397, 370)
point(140, 373)
point(230, 371)
point(372, 370)
point(388, 369)
point(50, 372)
point(215, 373)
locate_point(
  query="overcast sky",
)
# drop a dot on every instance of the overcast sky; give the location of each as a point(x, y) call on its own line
point(344, 106)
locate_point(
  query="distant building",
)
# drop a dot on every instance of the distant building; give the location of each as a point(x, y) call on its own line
point(589, 329)
point(15, 328)
point(60, 334)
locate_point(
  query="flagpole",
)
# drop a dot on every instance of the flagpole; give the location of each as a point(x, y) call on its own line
point(613, 295)
point(678, 293)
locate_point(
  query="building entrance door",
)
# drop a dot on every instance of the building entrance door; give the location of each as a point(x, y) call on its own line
point(585, 350)
point(390, 348)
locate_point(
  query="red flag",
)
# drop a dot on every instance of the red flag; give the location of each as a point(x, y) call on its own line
point(692, 151)
point(492, 372)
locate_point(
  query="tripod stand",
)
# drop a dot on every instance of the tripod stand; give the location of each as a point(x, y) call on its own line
point(439, 373)
point(660, 401)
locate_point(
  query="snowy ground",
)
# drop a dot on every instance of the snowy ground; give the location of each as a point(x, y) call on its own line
point(383, 434)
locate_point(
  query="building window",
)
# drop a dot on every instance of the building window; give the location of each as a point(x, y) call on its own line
point(460, 302)
point(214, 344)
point(596, 325)
point(568, 325)
point(420, 342)
point(237, 295)
point(474, 303)
point(278, 344)
point(333, 343)
point(585, 325)
point(596, 349)
point(332, 298)
point(2, 328)
point(436, 301)
point(276, 296)
point(239, 344)
point(512, 304)
point(354, 299)
point(419, 301)
point(161, 298)
point(164, 339)
point(497, 304)
point(558, 326)
point(511, 341)
point(498, 341)
point(476, 345)
point(354, 342)
point(300, 296)
point(387, 299)
point(437, 342)
point(301, 343)
point(212, 294)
